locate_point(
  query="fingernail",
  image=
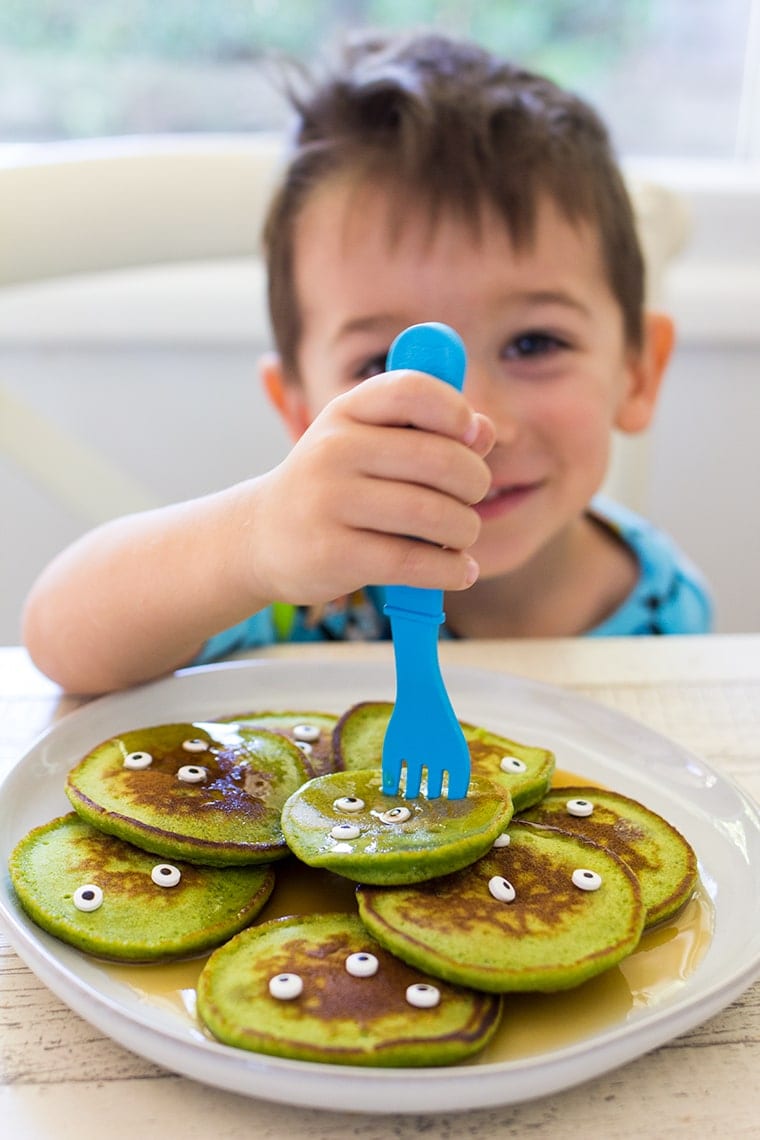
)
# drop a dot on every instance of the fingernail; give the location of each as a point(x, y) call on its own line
point(471, 434)
point(472, 571)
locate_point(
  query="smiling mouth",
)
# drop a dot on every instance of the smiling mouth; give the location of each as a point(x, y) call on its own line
point(512, 490)
point(502, 498)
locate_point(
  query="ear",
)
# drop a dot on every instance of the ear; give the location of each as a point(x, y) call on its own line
point(285, 395)
point(646, 368)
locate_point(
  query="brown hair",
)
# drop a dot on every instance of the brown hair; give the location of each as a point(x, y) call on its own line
point(455, 127)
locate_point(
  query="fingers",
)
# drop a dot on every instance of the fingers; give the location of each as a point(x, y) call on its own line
point(410, 563)
point(484, 436)
point(312, 539)
point(397, 561)
point(405, 455)
point(407, 510)
point(372, 423)
point(410, 399)
point(380, 488)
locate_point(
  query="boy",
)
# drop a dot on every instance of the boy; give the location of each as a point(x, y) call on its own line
point(428, 181)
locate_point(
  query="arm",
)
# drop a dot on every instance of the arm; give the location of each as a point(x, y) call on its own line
point(138, 596)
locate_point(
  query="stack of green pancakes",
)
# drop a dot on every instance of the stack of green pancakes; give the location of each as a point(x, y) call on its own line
point(178, 830)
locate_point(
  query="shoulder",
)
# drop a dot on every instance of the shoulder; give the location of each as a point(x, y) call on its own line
point(670, 596)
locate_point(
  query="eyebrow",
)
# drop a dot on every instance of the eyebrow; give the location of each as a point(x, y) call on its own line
point(554, 297)
point(390, 322)
point(372, 322)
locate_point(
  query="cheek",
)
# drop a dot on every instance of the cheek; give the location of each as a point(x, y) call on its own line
point(577, 427)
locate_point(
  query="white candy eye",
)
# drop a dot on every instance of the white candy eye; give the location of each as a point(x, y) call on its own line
point(502, 889)
point(285, 987)
point(305, 747)
point(345, 831)
point(306, 732)
point(88, 897)
point(422, 995)
point(512, 764)
point(362, 965)
point(192, 774)
point(502, 840)
point(138, 760)
point(164, 875)
point(195, 745)
point(587, 880)
point(349, 803)
point(579, 808)
point(396, 815)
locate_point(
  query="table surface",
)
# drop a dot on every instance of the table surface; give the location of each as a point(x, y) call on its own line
point(61, 1078)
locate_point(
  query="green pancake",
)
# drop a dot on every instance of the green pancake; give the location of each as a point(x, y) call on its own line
point(230, 816)
point(138, 919)
point(317, 753)
point(524, 771)
point(437, 835)
point(551, 935)
point(662, 860)
point(337, 1017)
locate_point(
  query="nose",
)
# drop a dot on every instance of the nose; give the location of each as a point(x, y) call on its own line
point(494, 397)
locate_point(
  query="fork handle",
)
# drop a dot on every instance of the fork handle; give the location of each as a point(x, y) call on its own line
point(436, 349)
point(433, 348)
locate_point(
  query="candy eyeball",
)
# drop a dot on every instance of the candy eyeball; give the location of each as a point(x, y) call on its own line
point(165, 875)
point(362, 964)
point(399, 814)
point(422, 995)
point(586, 880)
point(305, 747)
point(345, 831)
point(512, 764)
point(349, 803)
point(502, 889)
point(502, 840)
point(579, 808)
point(192, 774)
point(306, 733)
point(88, 897)
point(285, 987)
point(195, 745)
point(138, 760)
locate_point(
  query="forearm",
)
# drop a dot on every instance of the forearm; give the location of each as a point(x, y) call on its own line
point(138, 597)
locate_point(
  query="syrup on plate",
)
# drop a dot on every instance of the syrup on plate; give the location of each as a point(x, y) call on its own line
point(532, 1023)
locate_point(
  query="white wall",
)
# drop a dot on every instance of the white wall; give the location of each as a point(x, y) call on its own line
point(704, 456)
point(182, 421)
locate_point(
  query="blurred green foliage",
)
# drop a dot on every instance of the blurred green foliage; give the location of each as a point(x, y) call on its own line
point(245, 29)
point(79, 68)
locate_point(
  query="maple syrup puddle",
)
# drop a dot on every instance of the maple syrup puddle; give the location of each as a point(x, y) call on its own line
point(532, 1023)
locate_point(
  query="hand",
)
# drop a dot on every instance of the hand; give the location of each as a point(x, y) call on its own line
point(362, 498)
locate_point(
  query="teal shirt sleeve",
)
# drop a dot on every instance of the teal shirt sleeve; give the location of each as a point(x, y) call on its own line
point(670, 596)
point(252, 633)
point(360, 618)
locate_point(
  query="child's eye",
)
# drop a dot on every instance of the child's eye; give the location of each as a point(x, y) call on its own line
point(531, 344)
point(373, 366)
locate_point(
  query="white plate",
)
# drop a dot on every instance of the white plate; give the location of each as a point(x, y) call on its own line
point(719, 821)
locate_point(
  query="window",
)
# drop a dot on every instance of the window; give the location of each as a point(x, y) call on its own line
point(672, 77)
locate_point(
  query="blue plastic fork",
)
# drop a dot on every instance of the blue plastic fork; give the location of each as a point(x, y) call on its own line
point(423, 733)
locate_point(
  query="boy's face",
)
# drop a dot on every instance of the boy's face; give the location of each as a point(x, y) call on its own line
point(547, 358)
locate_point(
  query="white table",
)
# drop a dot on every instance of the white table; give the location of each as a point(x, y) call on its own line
point(62, 1079)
